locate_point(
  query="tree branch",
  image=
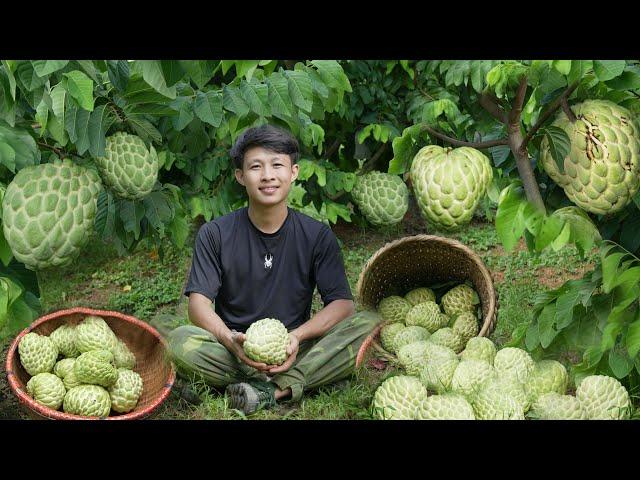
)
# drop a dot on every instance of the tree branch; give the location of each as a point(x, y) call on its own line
point(332, 149)
point(490, 104)
point(518, 102)
point(372, 161)
point(58, 152)
point(567, 110)
point(460, 143)
point(552, 108)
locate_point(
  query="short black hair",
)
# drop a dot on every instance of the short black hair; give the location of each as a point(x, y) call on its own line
point(266, 136)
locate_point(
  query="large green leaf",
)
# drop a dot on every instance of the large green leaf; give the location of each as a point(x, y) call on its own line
point(233, 101)
point(172, 71)
point(633, 337)
point(510, 223)
point(332, 74)
point(200, 71)
point(132, 214)
point(404, 149)
point(80, 87)
point(104, 222)
point(608, 69)
point(144, 128)
point(559, 145)
point(9, 69)
point(46, 67)
point(152, 74)
point(23, 145)
point(158, 210)
point(208, 107)
point(119, 72)
point(77, 126)
point(300, 89)
point(250, 95)
point(140, 92)
point(58, 96)
point(28, 77)
point(620, 364)
point(99, 122)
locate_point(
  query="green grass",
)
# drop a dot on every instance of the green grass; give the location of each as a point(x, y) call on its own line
point(99, 279)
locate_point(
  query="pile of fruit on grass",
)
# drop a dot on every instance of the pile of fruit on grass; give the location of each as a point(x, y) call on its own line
point(449, 373)
point(85, 369)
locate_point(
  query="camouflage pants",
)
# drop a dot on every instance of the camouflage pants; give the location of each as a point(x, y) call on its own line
point(197, 354)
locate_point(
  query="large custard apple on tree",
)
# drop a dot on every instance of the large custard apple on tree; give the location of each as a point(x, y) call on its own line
point(563, 141)
point(131, 151)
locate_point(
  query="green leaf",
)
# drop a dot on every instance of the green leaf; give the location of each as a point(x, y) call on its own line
point(532, 337)
point(172, 71)
point(610, 270)
point(28, 76)
point(559, 145)
point(139, 91)
point(42, 114)
point(58, 96)
point(546, 322)
point(245, 68)
point(253, 100)
point(185, 113)
point(5, 250)
point(608, 69)
point(80, 87)
point(300, 89)
point(104, 223)
point(279, 99)
point(232, 100)
point(633, 338)
point(132, 214)
point(549, 231)
point(562, 66)
point(562, 239)
point(12, 79)
point(144, 128)
point(22, 143)
point(335, 210)
point(77, 125)
point(200, 71)
point(578, 69)
point(208, 107)
point(403, 149)
point(629, 80)
point(332, 74)
point(510, 223)
point(157, 210)
point(99, 123)
point(8, 157)
point(119, 72)
point(152, 74)
point(611, 332)
point(620, 364)
point(90, 69)
point(46, 67)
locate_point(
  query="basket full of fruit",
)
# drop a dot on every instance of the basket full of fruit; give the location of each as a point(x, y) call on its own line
point(427, 285)
point(83, 363)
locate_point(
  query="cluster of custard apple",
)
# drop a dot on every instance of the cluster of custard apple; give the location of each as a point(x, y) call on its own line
point(484, 383)
point(48, 210)
point(85, 369)
point(266, 341)
point(417, 316)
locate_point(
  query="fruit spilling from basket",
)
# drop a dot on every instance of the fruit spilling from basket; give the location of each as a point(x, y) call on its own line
point(449, 373)
point(85, 369)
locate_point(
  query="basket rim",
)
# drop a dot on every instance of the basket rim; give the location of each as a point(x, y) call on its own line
point(47, 412)
point(488, 322)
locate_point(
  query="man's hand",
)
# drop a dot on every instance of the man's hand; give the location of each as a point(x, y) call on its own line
point(292, 351)
point(234, 345)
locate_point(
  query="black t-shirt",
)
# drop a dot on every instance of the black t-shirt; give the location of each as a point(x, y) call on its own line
point(253, 275)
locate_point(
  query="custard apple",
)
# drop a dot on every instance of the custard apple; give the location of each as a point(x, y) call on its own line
point(446, 407)
point(513, 388)
point(126, 392)
point(466, 325)
point(492, 403)
point(38, 354)
point(93, 333)
point(70, 380)
point(460, 299)
point(123, 357)
point(48, 212)
point(394, 308)
point(96, 367)
point(554, 406)
point(602, 169)
point(514, 361)
point(46, 389)
point(267, 341)
point(449, 183)
point(65, 339)
point(87, 400)
point(399, 398)
point(427, 315)
point(420, 295)
point(413, 357)
point(449, 338)
point(434, 351)
point(388, 333)
point(438, 372)
point(128, 167)
point(382, 198)
point(409, 335)
point(604, 398)
point(479, 348)
point(547, 376)
point(63, 367)
point(470, 376)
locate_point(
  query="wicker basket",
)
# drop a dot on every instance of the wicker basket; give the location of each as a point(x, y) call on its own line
point(158, 375)
point(423, 260)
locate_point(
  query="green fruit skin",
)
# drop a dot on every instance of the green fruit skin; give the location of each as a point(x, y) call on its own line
point(46, 389)
point(449, 184)
point(126, 392)
point(399, 398)
point(394, 309)
point(93, 333)
point(128, 167)
point(382, 198)
point(267, 341)
point(458, 300)
point(604, 398)
point(88, 401)
point(96, 367)
point(38, 354)
point(420, 295)
point(48, 212)
point(387, 335)
point(426, 314)
point(602, 170)
point(65, 339)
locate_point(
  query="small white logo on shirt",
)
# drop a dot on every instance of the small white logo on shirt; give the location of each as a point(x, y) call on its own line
point(268, 261)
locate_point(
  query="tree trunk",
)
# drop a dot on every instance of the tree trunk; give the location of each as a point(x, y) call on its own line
point(524, 167)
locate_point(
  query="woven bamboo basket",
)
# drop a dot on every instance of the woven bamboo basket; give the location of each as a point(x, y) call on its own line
point(423, 260)
point(157, 372)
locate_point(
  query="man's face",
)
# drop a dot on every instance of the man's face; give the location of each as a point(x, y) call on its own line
point(266, 175)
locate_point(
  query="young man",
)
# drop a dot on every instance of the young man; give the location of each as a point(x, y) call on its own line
point(265, 261)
